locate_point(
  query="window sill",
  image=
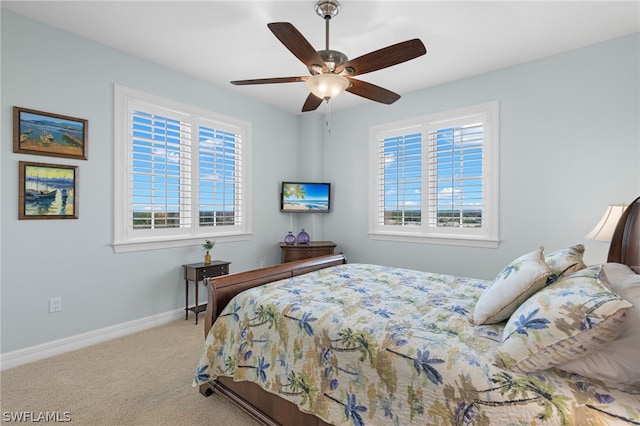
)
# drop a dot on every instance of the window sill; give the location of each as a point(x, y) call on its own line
point(449, 241)
point(156, 244)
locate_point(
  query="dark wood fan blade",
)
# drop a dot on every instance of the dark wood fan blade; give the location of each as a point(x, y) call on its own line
point(297, 44)
point(385, 57)
point(312, 103)
point(371, 91)
point(269, 80)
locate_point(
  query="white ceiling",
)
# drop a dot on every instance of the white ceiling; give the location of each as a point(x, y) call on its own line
point(220, 41)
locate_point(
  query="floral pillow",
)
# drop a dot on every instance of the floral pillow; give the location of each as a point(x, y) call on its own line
point(566, 261)
point(513, 285)
point(618, 362)
point(562, 322)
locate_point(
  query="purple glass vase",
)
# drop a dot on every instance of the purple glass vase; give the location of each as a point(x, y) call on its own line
point(303, 237)
point(290, 239)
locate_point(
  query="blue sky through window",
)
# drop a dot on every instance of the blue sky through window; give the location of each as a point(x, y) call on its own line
point(455, 176)
point(163, 169)
point(218, 169)
point(459, 168)
point(156, 163)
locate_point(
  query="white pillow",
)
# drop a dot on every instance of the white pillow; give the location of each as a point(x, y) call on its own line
point(513, 285)
point(619, 361)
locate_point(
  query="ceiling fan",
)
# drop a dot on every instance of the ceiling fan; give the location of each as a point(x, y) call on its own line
point(331, 71)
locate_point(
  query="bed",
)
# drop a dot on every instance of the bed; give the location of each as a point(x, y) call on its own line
point(322, 341)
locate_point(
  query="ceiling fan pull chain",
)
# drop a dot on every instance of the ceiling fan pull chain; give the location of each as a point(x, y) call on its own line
point(327, 122)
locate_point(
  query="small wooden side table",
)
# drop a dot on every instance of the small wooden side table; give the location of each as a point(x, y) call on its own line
point(196, 272)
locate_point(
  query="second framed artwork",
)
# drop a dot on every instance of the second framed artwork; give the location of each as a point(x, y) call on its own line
point(47, 191)
point(45, 133)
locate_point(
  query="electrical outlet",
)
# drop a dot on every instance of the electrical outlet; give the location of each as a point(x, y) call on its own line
point(263, 263)
point(55, 304)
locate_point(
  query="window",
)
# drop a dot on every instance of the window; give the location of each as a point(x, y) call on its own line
point(180, 174)
point(435, 178)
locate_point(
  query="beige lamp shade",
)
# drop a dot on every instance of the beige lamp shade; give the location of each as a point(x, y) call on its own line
point(603, 231)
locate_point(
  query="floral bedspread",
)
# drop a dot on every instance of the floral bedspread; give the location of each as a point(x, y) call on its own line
point(373, 345)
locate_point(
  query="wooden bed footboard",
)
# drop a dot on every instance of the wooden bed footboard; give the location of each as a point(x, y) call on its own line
point(266, 408)
point(223, 288)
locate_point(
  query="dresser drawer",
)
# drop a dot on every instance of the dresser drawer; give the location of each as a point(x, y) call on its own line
point(299, 254)
point(199, 271)
point(295, 252)
point(212, 271)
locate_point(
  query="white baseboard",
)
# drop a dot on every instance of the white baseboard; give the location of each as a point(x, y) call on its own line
point(79, 341)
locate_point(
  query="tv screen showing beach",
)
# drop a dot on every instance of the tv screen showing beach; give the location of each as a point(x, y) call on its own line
point(300, 197)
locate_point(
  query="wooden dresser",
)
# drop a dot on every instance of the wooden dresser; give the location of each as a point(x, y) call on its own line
point(294, 252)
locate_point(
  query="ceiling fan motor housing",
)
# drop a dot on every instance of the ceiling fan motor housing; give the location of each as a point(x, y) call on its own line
point(332, 58)
point(327, 9)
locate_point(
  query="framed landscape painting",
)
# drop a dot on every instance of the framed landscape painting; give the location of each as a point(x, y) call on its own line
point(44, 133)
point(48, 191)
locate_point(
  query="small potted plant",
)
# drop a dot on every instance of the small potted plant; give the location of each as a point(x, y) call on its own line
point(206, 246)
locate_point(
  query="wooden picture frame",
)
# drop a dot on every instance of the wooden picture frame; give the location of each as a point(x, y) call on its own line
point(47, 191)
point(45, 133)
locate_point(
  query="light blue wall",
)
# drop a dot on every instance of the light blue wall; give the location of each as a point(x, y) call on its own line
point(570, 144)
point(51, 70)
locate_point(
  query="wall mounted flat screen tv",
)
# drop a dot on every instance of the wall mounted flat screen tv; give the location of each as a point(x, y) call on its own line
point(305, 197)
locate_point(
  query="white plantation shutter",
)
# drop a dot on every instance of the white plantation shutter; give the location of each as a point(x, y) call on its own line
point(180, 174)
point(161, 172)
point(220, 179)
point(435, 178)
point(456, 174)
point(399, 189)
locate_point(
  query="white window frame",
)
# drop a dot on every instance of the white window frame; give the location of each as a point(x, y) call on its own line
point(126, 239)
point(486, 236)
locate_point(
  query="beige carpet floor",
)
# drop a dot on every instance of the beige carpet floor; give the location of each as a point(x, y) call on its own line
point(141, 379)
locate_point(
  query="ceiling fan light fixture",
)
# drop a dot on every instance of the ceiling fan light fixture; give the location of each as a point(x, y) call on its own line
point(331, 71)
point(327, 86)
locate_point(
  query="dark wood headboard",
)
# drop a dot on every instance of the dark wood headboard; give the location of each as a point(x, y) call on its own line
point(625, 244)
